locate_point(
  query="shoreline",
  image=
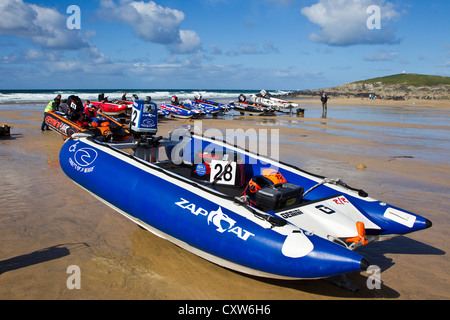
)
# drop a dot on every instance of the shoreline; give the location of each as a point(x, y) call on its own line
point(49, 223)
point(442, 104)
point(288, 97)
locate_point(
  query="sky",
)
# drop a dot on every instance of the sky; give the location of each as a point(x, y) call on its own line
point(218, 44)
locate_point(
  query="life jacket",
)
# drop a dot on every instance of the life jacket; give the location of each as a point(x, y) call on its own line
point(83, 121)
point(91, 112)
point(50, 106)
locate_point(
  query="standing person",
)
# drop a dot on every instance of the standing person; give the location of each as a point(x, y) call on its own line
point(87, 104)
point(51, 106)
point(90, 109)
point(124, 96)
point(63, 107)
point(324, 100)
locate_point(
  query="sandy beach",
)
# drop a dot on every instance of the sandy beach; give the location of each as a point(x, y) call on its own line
point(47, 223)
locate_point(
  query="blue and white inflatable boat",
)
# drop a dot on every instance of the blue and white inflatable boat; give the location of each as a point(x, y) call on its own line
point(220, 107)
point(234, 208)
point(204, 107)
point(180, 112)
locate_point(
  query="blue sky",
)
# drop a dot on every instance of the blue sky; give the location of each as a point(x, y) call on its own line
point(218, 44)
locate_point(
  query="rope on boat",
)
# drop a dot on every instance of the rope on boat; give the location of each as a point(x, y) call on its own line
point(326, 180)
point(337, 181)
point(274, 221)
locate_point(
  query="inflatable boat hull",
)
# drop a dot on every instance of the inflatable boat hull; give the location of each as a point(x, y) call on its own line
point(200, 219)
point(59, 123)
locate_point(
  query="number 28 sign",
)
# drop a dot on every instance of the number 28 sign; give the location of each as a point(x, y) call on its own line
point(223, 171)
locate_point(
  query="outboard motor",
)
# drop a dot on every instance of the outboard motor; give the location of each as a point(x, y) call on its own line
point(75, 109)
point(198, 96)
point(144, 126)
point(144, 118)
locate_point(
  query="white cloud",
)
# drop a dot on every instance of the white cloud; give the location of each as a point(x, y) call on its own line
point(152, 23)
point(252, 48)
point(43, 26)
point(16, 17)
point(215, 50)
point(94, 55)
point(382, 56)
point(190, 41)
point(344, 22)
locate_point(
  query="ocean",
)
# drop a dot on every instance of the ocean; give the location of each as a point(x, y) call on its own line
point(44, 96)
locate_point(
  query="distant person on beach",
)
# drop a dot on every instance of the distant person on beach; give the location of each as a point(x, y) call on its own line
point(88, 103)
point(124, 96)
point(324, 100)
point(90, 115)
point(102, 98)
point(51, 106)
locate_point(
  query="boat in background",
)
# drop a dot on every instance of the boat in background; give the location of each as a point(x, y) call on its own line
point(180, 112)
point(265, 99)
point(5, 131)
point(113, 108)
point(107, 129)
point(163, 113)
point(225, 107)
point(243, 107)
point(202, 107)
point(74, 120)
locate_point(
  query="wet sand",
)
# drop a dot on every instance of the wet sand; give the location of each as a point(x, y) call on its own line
point(47, 223)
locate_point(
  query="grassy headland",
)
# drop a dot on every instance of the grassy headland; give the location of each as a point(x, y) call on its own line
point(395, 87)
point(409, 79)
